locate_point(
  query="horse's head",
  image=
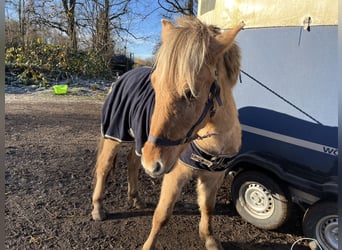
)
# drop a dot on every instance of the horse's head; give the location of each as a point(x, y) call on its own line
point(183, 80)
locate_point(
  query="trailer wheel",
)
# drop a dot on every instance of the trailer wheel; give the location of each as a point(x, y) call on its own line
point(321, 222)
point(260, 200)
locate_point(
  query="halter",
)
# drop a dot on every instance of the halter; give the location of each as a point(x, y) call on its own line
point(209, 107)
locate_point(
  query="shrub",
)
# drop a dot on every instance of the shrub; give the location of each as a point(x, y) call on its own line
point(40, 63)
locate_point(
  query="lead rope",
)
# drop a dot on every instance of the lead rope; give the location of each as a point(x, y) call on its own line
point(278, 95)
point(313, 244)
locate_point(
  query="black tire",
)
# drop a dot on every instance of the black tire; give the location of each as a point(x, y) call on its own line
point(260, 200)
point(320, 221)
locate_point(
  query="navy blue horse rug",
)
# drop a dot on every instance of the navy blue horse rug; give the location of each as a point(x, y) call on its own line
point(128, 108)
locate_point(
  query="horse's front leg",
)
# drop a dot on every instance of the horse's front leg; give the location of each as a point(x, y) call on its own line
point(107, 152)
point(133, 163)
point(172, 185)
point(207, 187)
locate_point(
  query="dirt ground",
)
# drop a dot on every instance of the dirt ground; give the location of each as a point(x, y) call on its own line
point(50, 154)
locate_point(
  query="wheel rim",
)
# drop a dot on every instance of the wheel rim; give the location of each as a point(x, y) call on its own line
point(327, 231)
point(257, 200)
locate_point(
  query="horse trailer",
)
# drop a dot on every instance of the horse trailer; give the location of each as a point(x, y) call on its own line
point(288, 105)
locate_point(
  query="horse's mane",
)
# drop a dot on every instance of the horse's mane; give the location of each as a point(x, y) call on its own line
point(184, 53)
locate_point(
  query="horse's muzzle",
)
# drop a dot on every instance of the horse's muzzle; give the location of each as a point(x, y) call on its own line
point(155, 170)
point(158, 160)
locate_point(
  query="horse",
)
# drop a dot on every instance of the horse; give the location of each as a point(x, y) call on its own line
point(207, 160)
point(181, 91)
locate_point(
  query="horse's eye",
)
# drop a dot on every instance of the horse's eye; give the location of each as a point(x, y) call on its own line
point(188, 95)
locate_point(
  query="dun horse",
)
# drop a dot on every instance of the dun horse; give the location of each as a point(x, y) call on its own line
point(184, 98)
point(205, 159)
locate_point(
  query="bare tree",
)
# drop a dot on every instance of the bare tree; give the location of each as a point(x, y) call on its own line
point(108, 20)
point(21, 17)
point(69, 11)
point(105, 25)
point(184, 7)
point(42, 15)
point(16, 29)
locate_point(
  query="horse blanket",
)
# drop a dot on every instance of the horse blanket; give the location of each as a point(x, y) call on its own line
point(128, 108)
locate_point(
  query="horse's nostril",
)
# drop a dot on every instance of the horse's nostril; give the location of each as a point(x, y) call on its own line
point(157, 167)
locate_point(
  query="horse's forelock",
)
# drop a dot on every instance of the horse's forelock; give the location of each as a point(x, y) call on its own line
point(184, 53)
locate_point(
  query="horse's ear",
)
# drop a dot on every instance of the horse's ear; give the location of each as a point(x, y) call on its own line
point(166, 27)
point(222, 42)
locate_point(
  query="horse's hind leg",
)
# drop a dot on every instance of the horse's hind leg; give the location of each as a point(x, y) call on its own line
point(207, 187)
point(133, 163)
point(172, 185)
point(107, 152)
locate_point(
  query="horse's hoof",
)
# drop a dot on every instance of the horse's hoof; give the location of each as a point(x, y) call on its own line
point(98, 215)
point(136, 203)
point(213, 244)
point(139, 203)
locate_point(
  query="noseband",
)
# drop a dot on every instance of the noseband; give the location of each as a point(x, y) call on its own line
point(209, 108)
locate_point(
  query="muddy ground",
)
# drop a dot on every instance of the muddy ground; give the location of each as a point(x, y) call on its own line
point(50, 153)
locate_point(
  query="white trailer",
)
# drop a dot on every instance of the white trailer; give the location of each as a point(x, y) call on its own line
point(288, 103)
